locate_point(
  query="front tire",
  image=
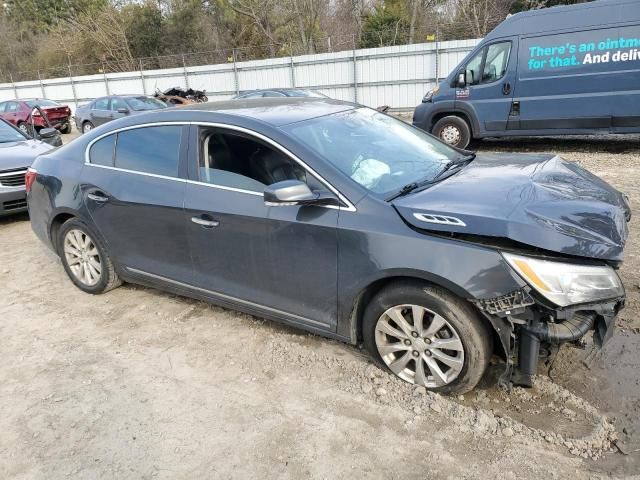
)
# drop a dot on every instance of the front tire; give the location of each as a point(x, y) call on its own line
point(85, 258)
point(453, 130)
point(426, 336)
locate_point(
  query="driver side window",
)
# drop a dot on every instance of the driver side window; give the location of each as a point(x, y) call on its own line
point(235, 160)
point(472, 72)
point(489, 64)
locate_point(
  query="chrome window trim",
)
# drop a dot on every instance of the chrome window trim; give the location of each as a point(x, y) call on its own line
point(225, 296)
point(349, 206)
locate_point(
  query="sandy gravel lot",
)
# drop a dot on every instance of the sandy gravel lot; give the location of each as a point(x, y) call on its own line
point(141, 384)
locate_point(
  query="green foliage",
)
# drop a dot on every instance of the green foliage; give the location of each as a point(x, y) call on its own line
point(386, 25)
point(144, 25)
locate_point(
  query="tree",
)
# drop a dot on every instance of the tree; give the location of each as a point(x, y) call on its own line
point(386, 25)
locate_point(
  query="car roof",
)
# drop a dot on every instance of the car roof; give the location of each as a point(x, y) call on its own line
point(275, 111)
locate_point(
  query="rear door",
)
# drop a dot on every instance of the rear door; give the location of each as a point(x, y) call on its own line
point(490, 77)
point(100, 111)
point(134, 190)
point(12, 113)
point(278, 259)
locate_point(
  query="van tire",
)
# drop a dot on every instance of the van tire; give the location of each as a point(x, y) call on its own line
point(453, 130)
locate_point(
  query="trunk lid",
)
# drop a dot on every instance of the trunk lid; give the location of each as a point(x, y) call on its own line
point(538, 200)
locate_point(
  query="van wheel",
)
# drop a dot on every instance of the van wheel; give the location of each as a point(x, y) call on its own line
point(453, 130)
point(426, 336)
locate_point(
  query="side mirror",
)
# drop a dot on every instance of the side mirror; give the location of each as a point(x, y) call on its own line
point(123, 110)
point(462, 81)
point(295, 192)
point(48, 133)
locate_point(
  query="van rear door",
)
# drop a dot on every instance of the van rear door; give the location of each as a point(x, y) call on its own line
point(490, 76)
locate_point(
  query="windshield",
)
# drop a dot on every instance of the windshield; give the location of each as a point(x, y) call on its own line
point(379, 152)
point(145, 103)
point(305, 93)
point(42, 103)
point(10, 134)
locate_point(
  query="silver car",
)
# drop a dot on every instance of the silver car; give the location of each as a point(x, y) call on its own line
point(105, 109)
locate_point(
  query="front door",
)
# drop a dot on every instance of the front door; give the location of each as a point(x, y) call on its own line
point(279, 260)
point(490, 80)
point(134, 194)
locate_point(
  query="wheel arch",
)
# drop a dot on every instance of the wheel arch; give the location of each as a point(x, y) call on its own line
point(56, 222)
point(464, 116)
point(375, 286)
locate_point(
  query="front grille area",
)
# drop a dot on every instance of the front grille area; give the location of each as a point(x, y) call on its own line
point(12, 178)
point(15, 204)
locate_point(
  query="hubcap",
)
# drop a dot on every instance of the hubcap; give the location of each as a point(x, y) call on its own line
point(24, 128)
point(87, 127)
point(433, 358)
point(82, 256)
point(450, 134)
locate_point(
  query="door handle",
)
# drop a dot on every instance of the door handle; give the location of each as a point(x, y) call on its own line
point(97, 198)
point(205, 222)
point(506, 88)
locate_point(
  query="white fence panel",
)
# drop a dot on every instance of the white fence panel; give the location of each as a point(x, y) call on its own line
point(396, 76)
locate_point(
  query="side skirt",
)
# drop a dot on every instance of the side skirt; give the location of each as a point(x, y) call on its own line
point(140, 277)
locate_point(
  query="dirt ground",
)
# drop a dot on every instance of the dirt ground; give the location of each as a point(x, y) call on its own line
point(141, 384)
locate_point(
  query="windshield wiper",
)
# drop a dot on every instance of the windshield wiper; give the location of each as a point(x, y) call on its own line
point(454, 163)
point(410, 187)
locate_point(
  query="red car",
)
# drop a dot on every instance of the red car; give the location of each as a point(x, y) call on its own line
point(18, 112)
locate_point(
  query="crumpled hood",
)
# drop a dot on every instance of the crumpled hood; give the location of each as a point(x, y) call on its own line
point(21, 154)
point(538, 200)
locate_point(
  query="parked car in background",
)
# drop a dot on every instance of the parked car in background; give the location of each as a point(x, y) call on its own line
point(17, 153)
point(106, 109)
point(280, 92)
point(565, 70)
point(346, 222)
point(17, 112)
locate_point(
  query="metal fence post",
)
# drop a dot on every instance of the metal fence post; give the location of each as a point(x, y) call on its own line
point(293, 68)
point(15, 89)
point(106, 80)
point(73, 87)
point(186, 74)
point(144, 86)
point(44, 95)
point(355, 71)
point(437, 76)
point(235, 71)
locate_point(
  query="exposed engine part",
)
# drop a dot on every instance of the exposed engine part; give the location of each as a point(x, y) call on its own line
point(531, 335)
point(506, 303)
point(569, 330)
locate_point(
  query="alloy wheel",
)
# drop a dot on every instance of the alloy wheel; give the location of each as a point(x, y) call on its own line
point(419, 346)
point(86, 127)
point(82, 257)
point(451, 134)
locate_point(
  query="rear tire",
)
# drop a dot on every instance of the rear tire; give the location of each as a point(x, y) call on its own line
point(85, 258)
point(417, 349)
point(66, 129)
point(453, 130)
point(87, 126)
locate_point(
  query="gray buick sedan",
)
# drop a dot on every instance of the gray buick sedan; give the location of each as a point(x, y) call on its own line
point(345, 222)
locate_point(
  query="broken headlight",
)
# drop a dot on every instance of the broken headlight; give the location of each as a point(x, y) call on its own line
point(567, 283)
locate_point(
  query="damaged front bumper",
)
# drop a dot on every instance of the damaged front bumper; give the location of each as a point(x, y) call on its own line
point(524, 322)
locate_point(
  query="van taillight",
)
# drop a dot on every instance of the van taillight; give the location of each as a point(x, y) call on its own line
point(29, 178)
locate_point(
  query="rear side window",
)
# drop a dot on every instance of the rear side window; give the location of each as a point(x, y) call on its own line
point(101, 152)
point(150, 150)
point(101, 104)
